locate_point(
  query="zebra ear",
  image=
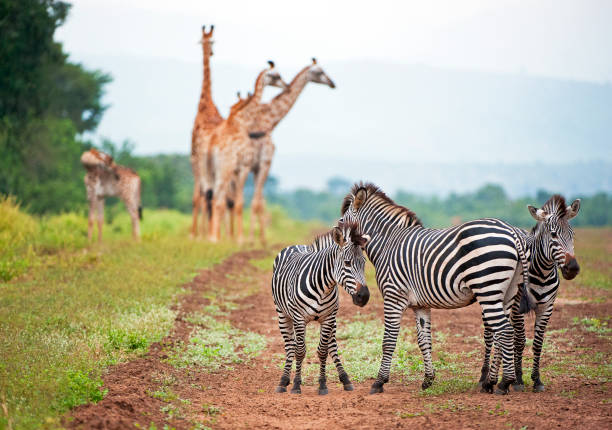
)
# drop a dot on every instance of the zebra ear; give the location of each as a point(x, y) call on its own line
point(537, 214)
point(366, 238)
point(360, 198)
point(338, 236)
point(572, 210)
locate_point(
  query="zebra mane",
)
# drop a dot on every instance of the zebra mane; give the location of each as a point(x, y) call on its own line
point(325, 239)
point(373, 191)
point(556, 205)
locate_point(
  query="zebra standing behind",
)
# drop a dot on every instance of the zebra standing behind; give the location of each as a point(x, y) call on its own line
point(421, 269)
point(551, 246)
point(304, 289)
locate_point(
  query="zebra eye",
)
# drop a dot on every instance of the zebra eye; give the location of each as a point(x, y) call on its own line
point(553, 234)
point(347, 263)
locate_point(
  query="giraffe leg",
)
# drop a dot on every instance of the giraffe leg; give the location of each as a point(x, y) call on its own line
point(258, 203)
point(239, 203)
point(91, 218)
point(285, 324)
point(300, 353)
point(196, 201)
point(423, 325)
point(100, 210)
point(393, 316)
point(543, 313)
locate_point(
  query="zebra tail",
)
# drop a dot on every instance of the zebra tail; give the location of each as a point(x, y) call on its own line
point(140, 213)
point(527, 303)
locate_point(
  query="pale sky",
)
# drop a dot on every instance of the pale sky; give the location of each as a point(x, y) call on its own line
point(554, 38)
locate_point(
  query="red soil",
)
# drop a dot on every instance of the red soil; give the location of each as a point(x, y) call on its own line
point(246, 399)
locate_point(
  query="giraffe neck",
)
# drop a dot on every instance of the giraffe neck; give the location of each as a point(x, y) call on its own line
point(206, 101)
point(243, 113)
point(282, 103)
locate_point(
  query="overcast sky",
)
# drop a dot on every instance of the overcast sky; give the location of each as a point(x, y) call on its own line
point(554, 38)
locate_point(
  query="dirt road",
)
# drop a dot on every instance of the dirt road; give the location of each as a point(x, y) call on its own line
point(244, 396)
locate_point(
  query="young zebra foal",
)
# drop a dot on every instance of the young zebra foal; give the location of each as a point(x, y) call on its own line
point(304, 289)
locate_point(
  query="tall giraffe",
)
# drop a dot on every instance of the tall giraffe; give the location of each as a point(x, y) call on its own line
point(103, 179)
point(231, 155)
point(266, 118)
point(206, 120)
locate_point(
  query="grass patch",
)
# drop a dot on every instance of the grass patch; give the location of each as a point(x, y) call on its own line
point(68, 309)
point(360, 347)
point(216, 344)
point(594, 325)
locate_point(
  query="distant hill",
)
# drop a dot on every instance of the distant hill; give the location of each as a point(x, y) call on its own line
point(404, 126)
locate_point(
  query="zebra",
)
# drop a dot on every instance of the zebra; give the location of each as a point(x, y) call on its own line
point(551, 246)
point(304, 289)
point(421, 269)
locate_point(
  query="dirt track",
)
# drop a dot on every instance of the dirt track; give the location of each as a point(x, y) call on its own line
point(245, 398)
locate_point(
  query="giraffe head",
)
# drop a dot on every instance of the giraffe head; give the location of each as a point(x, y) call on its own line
point(318, 76)
point(273, 78)
point(207, 40)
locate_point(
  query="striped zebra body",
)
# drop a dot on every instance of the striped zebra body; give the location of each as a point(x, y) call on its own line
point(304, 288)
point(422, 268)
point(550, 246)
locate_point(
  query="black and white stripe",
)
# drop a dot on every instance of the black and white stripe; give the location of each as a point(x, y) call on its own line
point(304, 287)
point(421, 269)
point(551, 245)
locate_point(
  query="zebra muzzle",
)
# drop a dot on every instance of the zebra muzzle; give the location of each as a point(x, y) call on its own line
point(571, 268)
point(361, 296)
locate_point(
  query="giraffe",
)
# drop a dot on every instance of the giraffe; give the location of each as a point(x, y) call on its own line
point(266, 118)
point(103, 179)
point(207, 119)
point(230, 156)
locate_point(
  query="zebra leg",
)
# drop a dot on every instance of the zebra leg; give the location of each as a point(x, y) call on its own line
point(300, 353)
point(494, 367)
point(324, 338)
point(518, 323)
point(393, 317)
point(488, 343)
point(333, 352)
point(285, 324)
point(543, 314)
point(496, 320)
point(423, 324)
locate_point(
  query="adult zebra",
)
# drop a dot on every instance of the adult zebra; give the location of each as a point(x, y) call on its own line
point(304, 289)
point(551, 246)
point(421, 269)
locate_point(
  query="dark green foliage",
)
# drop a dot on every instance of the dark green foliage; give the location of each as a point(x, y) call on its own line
point(45, 102)
point(79, 389)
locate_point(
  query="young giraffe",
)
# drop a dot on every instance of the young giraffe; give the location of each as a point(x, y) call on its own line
point(104, 178)
point(267, 116)
point(230, 155)
point(206, 120)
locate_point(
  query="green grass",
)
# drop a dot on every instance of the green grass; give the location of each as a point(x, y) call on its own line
point(69, 309)
point(360, 348)
point(215, 344)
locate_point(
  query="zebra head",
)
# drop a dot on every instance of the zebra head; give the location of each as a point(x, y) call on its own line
point(349, 265)
point(555, 234)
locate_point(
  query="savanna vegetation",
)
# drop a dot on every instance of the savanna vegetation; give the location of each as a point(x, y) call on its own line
point(68, 310)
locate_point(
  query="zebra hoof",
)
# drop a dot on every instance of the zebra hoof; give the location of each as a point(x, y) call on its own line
point(348, 387)
point(539, 388)
point(487, 387)
point(501, 391)
point(280, 389)
point(518, 387)
point(426, 383)
point(296, 391)
point(377, 387)
point(323, 391)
